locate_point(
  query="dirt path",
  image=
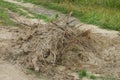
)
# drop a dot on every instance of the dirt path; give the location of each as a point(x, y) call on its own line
point(14, 72)
point(37, 9)
point(76, 22)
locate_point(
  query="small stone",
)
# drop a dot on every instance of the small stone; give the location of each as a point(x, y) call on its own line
point(37, 69)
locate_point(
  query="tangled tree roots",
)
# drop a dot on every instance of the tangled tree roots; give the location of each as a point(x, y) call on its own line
point(45, 45)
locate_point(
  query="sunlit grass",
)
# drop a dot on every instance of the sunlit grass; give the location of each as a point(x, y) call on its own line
point(103, 13)
point(7, 6)
point(4, 16)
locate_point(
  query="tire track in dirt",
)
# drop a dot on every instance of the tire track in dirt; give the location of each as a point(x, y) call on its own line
point(75, 22)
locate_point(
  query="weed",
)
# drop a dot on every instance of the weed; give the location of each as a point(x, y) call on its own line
point(82, 73)
point(53, 18)
point(92, 77)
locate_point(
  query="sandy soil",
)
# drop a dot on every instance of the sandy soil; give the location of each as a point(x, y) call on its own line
point(11, 72)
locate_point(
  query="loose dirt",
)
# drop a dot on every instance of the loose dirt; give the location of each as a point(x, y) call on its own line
point(11, 72)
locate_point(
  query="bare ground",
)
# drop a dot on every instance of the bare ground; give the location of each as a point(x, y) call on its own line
point(11, 72)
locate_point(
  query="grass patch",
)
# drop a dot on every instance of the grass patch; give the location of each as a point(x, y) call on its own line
point(83, 74)
point(6, 6)
point(93, 77)
point(37, 16)
point(103, 13)
point(12, 7)
point(41, 16)
point(4, 18)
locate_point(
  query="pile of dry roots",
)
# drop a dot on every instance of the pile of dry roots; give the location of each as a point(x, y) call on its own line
point(44, 45)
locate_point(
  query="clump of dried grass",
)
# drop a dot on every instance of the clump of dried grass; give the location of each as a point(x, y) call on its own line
point(44, 45)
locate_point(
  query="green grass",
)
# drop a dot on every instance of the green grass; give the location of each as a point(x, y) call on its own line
point(84, 74)
point(41, 16)
point(4, 18)
point(37, 16)
point(103, 13)
point(6, 6)
point(93, 77)
point(12, 7)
